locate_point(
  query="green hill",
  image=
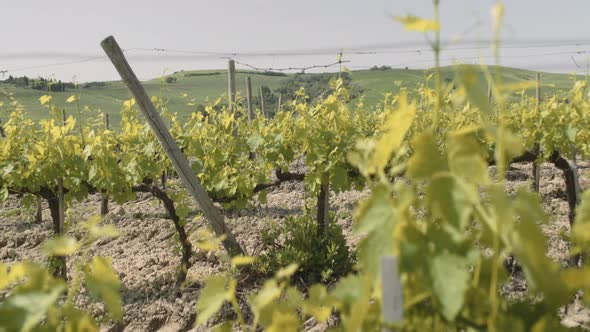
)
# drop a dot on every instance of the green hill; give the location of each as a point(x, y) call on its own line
point(211, 84)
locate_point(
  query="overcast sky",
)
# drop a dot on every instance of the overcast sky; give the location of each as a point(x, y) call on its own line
point(44, 38)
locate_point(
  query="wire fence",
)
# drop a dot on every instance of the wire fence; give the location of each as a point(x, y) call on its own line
point(566, 57)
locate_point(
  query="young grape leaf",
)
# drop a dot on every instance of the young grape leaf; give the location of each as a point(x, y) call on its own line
point(60, 246)
point(242, 260)
point(394, 130)
point(318, 304)
point(23, 311)
point(211, 298)
point(450, 280)
point(426, 159)
point(103, 283)
point(414, 23)
point(451, 200)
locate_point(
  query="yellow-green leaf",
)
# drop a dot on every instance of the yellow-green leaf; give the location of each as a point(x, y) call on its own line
point(103, 283)
point(45, 99)
point(60, 246)
point(212, 297)
point(414, 23)
point(242, 260)
point(394, 131)
point(71, 99)
point(23, 311)
point(287, 271)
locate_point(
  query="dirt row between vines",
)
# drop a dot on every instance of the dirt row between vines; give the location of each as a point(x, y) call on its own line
point(146, 258)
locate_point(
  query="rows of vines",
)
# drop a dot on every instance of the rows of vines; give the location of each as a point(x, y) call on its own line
point(424, 154)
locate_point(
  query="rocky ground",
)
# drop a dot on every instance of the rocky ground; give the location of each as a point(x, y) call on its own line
point(147, 260)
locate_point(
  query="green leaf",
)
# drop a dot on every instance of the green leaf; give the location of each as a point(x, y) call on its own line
point(60, 246)
point(340, 179)
point(255, 141)
point(284, 321)
point(223, 327)
point(451, 200)
point(97, 231)
point(287, 271)
point(394, 130)
point(211, 298)
point(467, 159)
point(476, 93)
point(318, 304)
point(374, 212)
point(269, 293)
point(373, 246)
point(450, 280)
point(23, 311)
point(374, 218)
point(508, 146)
point(103, 283)
point(526, 241)
point(349, 289)
point(583, 210)
point(426, 160)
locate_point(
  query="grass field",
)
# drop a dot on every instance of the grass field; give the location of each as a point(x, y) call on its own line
point(213, 83)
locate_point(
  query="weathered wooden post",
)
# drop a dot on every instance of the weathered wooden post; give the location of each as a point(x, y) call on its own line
point(231, 84)
point(262, 102)
point(323, 208)
point(104, 200)
point(537, 147)
point(279, 102)
point(61, 263)
point(39, 214)
point(249, 98)
point(179, 161)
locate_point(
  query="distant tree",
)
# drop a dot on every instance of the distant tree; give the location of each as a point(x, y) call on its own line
point(39, 85)
point(316, 85)
point(380, 68)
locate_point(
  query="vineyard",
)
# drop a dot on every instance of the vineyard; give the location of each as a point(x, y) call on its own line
point(449, 206)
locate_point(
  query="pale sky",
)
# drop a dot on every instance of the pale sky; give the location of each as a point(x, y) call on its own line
point(43, 38)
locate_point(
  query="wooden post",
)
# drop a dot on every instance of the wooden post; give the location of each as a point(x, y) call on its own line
point(576, 260)
point(576, 175)
point(262, 102)
point(249, 98)
point(61, 265)
point(323, 212)
point(104, 200)
point(179, 161)
point(61, 202)
point(231, 84)
point(231, 92)
point(279, 102)
point(392, 300)
point(163, 179)
point(2, 133)
point(489, 92)
point(106, 121)
point(39, 214)
point(537, 147)
point(63, 116)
